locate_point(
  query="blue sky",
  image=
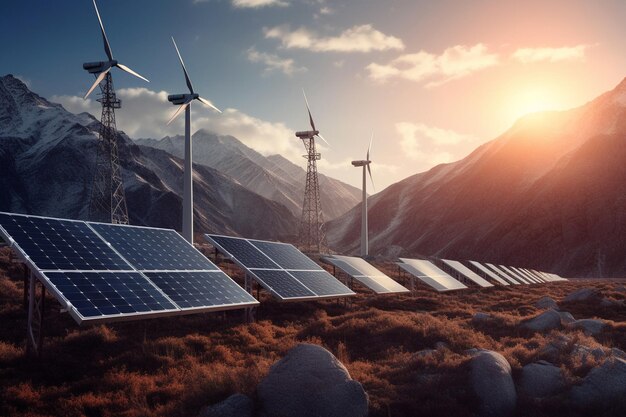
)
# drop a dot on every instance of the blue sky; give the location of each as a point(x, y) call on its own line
point(431, 79)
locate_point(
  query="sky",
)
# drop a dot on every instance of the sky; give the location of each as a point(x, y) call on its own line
point(431, 80)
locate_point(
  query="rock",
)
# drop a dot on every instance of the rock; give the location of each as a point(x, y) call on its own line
point(237, 405)
point(558, 343)
point(546, 303)
point(310, 381)
point(425, 352)
point(548, 320)
point(583, 294)
point(618, 353)
point(480, 317)
point(441, 345)
point(492, 382)
point(604, 384)
point(585, 353)
point(566, 318)
point(589, 326)
point(607, 302)
point(620, 288)
point(541, 379)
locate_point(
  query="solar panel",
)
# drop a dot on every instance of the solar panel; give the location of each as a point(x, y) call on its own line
point(467, 273)
point(101, 294)
point(153, 249)
point(531, 275)
point(245, 252)
point(104, 279)
point(366, 274)
point(207, 290)
point(526, 275)
point(429, 274)
point(503, 274)
point(489, 272)
point(280, 268)
point(535, 274)
point(515, 274)
point(53, 244)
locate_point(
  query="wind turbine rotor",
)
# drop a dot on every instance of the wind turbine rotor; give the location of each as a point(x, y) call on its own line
point(187, 80)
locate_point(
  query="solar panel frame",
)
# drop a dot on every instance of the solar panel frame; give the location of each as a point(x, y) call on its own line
point(367, 274)
point(423, 269)
point(489, 273)
point(256, 272)
point(467, 273)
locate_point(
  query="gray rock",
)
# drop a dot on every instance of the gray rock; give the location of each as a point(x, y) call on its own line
point(558, 343)
point(309, 382)
point(606, 302)
point(237, 405)
point(548, 320)
point(585, 353)
point(480, 317)
point(583, 294)
point(492, 382)
point(441, 345)
point(425, 352)
point(541, 379)
point(618, 353)
point(566, 318)
point(546, 303)
point(604, 384)
point(589, 326)
point(620, 288)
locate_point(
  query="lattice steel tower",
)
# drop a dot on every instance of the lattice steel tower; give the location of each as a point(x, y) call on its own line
point(107, 202)
point(311, 234)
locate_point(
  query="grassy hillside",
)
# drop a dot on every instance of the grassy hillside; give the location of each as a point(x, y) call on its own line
point(174, 366)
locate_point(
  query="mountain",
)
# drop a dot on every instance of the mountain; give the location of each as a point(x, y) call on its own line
point(47, 157)
point(273, 177)
point(549, 193)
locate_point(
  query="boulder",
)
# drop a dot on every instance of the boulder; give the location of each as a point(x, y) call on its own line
point(603, 385)
point(558, 343)
point(548, 320)
point(541, 379)
point(480, 317)
point(618, 353)
point(546, 303)
point(237, 405)
point(583, 294)
point(490, 376)
point(585, 353)
point(589, 326)
point(309, 381)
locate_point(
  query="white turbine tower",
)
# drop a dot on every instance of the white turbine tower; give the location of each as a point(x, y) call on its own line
point(364, 232)
point(184, 100)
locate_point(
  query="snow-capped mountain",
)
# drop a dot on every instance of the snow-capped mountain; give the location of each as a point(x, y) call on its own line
point(273, 177)
point(549, 193)
point(47, 157)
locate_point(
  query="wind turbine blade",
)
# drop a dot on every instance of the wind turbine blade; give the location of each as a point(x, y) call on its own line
point(130, 71)
point(208, 103)
point(369, 170)
point(180, 109)
point(369, 148)
point(309, 110)
point(184, 69)
point(322, 138)
point(98, 81)
point(107, 47)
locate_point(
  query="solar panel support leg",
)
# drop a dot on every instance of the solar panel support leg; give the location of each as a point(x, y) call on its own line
point(36, 304)
point(250, 312)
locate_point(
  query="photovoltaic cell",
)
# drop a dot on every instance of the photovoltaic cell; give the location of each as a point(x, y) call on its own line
point(245, 252)
point(321, 283)
point(429, 274)
point(285, 255)
point(489, 272)
point(95, 294)
point(153, 249)
point(282, 283)
point(503, 274)
point(365, 273)
point(200, 289)
point(53, 244)
point(467, 273)
point(515, 274)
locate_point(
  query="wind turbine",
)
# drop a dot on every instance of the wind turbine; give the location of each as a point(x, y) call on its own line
point(184, 100)
point(102, 68)
point(364, 232)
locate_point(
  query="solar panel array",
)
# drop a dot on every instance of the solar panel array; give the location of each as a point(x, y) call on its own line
point(428, 273)
point(366, 274)
point(104, 272)
point(280, 268)
point(467, 273)
point(488, 272)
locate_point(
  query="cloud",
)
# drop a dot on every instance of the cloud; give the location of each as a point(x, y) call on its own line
point(430, 145)
point(145, 113)
point(363, 38)
point(274, 63)
point(455, 62)
point(566, 53)
point(252, 4)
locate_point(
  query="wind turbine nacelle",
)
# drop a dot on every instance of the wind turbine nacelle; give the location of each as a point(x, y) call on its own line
point(98, 67)
point(359, 163)
point(307, 134)
point(181, 98)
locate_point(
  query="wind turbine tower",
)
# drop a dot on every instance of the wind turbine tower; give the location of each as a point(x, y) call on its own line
point(107, 202)
point(311, 234)
point(184, 101)
point(364, 229)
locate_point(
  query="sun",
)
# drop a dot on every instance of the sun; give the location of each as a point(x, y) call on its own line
point(532, 100)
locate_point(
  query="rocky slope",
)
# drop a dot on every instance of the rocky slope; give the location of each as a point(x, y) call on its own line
point(549, 193)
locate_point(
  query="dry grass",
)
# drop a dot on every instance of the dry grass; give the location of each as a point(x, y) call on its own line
point(175, 366)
